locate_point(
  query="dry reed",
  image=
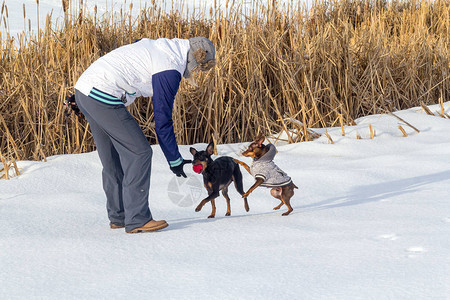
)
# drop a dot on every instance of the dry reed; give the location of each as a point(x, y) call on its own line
point(402, 130)
point(340, 58)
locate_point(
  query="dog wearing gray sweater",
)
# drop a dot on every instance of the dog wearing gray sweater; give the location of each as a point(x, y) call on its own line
point(267, 173)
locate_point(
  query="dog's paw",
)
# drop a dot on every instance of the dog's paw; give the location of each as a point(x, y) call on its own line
point(211, 217)
point(228, 214)
point(286, 213)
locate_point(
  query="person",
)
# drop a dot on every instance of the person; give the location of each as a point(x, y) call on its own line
point(148, 68)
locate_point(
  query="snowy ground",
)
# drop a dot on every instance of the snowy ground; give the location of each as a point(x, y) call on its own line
point(371, 220)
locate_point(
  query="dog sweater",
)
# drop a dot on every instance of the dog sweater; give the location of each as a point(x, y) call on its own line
point(266, 169)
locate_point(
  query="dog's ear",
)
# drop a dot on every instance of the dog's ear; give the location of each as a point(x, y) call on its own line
point(210, 149)
point(193, 151)
point(260, 139)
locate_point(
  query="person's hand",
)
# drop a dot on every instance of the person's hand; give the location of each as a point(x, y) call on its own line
point(178, 170)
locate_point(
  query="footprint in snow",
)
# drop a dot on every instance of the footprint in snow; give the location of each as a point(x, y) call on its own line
point(389, 236)
point(414, 251)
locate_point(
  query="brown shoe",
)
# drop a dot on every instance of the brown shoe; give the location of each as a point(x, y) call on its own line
point(150, 226)
point(116, 226)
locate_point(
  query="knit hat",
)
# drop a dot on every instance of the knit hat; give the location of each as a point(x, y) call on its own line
point(201, 54)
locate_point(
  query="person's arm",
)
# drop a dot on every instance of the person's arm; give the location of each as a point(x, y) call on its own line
point(165, 86)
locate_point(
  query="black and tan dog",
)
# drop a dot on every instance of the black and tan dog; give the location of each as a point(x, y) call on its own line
point(217, 176)
point(268, 174)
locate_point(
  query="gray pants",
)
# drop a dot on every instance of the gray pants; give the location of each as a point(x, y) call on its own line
point(126, 157)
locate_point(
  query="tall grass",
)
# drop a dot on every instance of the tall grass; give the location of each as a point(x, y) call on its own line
point(276, 64)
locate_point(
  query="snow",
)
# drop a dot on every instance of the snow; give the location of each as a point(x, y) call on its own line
point(371, 220)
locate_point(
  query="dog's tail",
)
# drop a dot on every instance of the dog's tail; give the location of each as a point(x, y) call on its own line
point(237, 178)
point(242, 164)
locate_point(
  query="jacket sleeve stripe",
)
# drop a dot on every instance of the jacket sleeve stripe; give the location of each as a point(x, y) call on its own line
point(175, 163)
point(260, 176)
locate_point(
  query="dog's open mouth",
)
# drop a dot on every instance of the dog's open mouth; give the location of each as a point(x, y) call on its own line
point(197, 168)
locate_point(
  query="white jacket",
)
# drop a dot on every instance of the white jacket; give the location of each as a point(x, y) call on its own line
point(128, 70)
point(149, 68)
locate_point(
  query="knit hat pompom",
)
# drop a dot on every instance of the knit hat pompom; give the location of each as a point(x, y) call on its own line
point(202, 53)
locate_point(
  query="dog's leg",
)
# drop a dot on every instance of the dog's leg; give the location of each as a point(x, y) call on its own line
point(214, 194)
point(288, 204)
point(243, 164)
point(276, 193)
point(213, 211)
point(278, 206)
point(258, 182)
point(287, 193)
point(237, 178)
point(201, 204)
point(225, 195)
